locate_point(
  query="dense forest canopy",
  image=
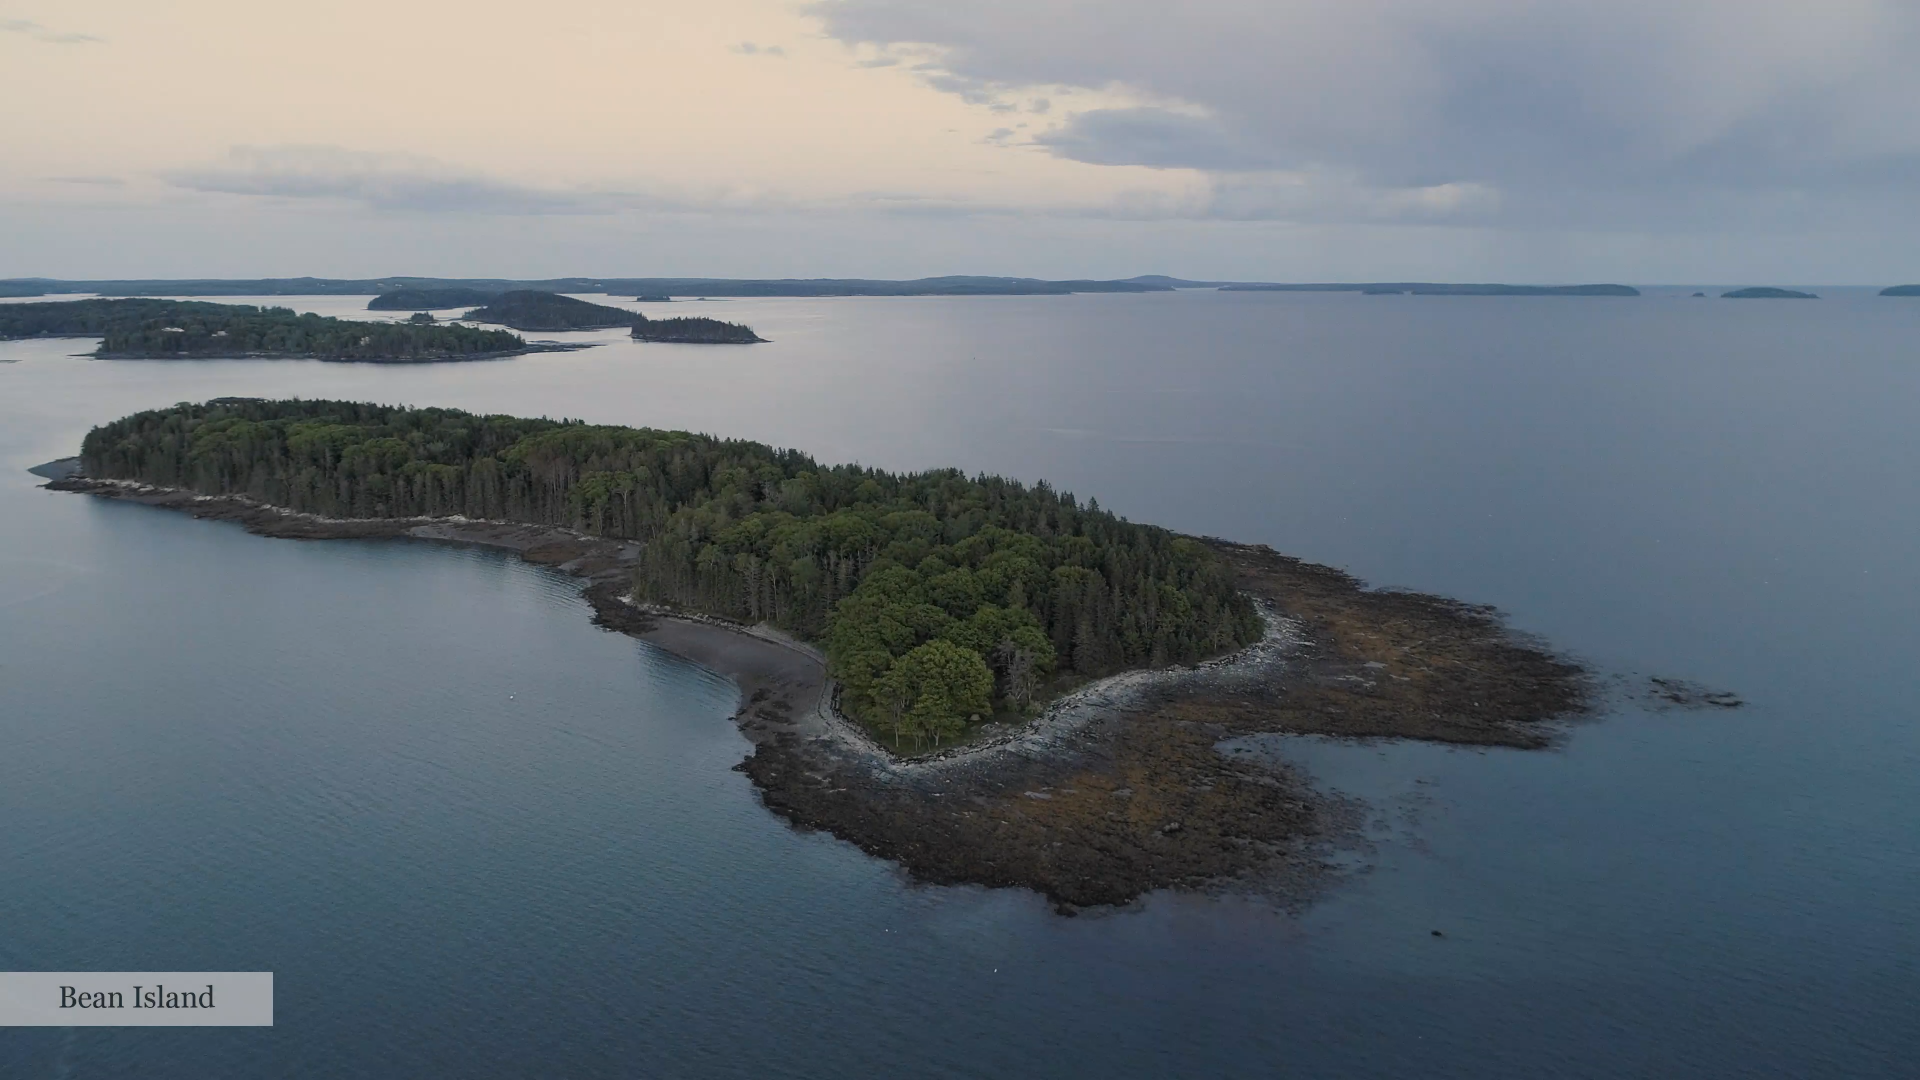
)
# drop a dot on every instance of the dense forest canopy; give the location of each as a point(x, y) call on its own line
point(936, 596)
point(694, 330)
point(530, 309)
point(89, 318)
point(191, 328)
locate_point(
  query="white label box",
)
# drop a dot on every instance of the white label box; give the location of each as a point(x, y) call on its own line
point(136, 999)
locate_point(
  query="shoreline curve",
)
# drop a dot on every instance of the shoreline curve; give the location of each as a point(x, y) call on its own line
point(1114, 791)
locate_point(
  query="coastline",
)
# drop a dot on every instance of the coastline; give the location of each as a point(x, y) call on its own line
point(1114, 791)
point(506, 354)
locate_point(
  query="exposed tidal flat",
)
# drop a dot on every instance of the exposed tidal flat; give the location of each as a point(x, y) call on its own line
point(1113, 791)
point(501, 795)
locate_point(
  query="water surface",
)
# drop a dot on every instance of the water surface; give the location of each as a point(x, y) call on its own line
point(473, 835)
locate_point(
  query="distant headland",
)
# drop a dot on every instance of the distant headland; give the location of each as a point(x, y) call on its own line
point(529, 309)
point(144, 329)
point(406, 293)
point(424, 294)
point(1766, 293)
point(650, 289)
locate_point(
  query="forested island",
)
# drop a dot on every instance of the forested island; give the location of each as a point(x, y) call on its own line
point(939, 599)
point(528, 309)
point(1767, 294)
point(163, 329)
point(1006, 685)
point(692, 330)
point(429, 299)
point(1901, 290)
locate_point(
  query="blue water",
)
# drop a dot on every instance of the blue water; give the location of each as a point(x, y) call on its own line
point(475, 836)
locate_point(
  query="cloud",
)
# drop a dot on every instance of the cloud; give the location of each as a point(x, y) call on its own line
point(1621, 108)
point(40, 33)
point(398, 182)
point(1157, 138)
point(748, 48)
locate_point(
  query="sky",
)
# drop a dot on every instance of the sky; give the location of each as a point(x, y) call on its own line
point(1644, 141)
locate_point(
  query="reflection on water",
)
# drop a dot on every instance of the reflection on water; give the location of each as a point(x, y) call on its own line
point(474, 835)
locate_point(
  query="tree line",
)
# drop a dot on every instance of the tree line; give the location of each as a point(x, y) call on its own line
point(163, 329)
point(938, 598)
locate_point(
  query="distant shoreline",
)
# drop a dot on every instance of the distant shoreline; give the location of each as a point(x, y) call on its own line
point(508, 354)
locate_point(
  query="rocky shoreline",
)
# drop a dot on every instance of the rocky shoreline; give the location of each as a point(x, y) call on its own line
point(1116, 790)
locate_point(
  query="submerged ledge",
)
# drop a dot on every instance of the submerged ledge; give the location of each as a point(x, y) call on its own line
point(1117, 790)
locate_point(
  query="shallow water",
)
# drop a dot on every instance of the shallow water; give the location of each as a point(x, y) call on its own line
point(473, 835)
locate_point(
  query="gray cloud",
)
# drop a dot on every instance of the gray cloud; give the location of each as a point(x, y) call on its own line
point(1159, 138)
point(748, 48)
point(382, 181)
point(1625, 108)
point(40, 33)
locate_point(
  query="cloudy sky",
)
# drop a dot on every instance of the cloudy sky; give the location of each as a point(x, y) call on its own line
point(1638, 140)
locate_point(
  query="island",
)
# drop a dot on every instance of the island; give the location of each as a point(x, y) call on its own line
point(529, 309)
point(657, 298)
point(1767, 294)
point(143, 329)
point(1901, 290)
point(694, 331)
point(429, 299)
point(987, 681)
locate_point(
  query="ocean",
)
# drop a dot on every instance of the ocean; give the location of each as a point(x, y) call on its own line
point(473, 835)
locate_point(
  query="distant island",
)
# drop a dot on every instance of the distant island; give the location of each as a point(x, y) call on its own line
point(655, 299)
point(527, 309)
point(142, 329)
point(530, 309)
point(428, 299)
point(1901, 290)
point(987, 681)
point(1767, 294)
point(694, 331)
point(1427, 288)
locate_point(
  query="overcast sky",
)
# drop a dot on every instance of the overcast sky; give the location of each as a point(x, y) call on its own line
point(1647, 141)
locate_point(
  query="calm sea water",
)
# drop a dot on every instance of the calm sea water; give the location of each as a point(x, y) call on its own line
point(474, 836)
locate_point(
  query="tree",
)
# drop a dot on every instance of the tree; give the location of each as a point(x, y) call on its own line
point(937, 687)
point(871, 565)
